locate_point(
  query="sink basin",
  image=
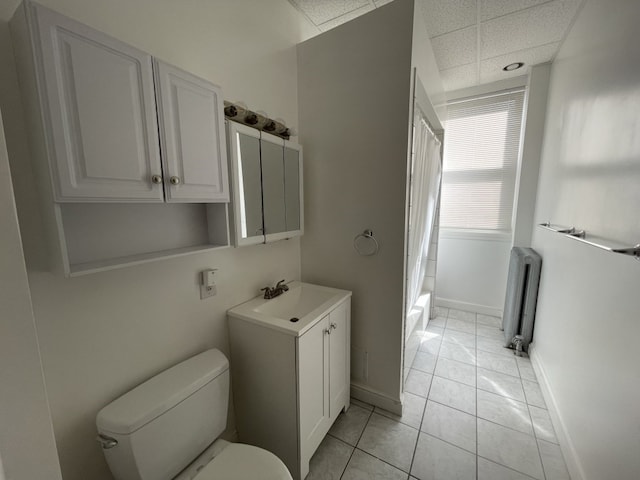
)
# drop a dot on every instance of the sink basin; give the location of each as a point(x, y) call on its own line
point(293, 312)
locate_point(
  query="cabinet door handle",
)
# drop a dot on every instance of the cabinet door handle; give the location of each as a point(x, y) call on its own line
point(334, 326)
point(327, 331)
point(157, 179)
point(175, 180)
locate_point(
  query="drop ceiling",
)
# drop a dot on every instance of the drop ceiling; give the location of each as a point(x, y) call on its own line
point(472, 40)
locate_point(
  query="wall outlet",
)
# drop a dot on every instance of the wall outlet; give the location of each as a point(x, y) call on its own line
point(208, 286)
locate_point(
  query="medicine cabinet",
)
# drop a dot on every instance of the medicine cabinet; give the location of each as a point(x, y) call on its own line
point(266, 177)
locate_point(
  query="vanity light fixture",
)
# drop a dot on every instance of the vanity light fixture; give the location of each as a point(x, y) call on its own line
point(513, 66)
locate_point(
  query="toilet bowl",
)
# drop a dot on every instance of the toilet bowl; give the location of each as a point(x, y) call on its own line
point(168, 428)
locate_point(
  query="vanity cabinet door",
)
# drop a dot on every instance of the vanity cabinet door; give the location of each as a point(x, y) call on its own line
point(313, 368)
point(339, 361)
point(102, 131)
point(194, 153)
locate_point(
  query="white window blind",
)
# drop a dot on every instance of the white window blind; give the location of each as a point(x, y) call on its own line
point(482, 141)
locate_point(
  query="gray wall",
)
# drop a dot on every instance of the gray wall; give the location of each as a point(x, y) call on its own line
point(587, 324)
point(354, 97)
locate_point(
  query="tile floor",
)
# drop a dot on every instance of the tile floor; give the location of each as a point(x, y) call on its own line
point(472, 411)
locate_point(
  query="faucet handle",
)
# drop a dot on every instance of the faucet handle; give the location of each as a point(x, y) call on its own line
point(282, 285)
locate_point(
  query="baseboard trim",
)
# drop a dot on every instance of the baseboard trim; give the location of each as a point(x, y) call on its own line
point(470, 307)
point(377, 399)
point(566, 444)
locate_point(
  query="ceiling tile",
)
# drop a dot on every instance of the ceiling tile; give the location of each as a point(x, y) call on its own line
point(442, 16)
point(345, 18)
point(456, 48)
point(491, 69)
point(529, 28)
point(459, 77)
point(321, 11)
point(496, 8)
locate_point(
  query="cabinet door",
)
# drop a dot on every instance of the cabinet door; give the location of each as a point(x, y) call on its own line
point(102, 131)
point(313, 374)
point(273, 194)
point(190, 112)
point(293, 188)
point(339, 340)
point(244, 149)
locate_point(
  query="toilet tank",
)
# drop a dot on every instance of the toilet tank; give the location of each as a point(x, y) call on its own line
point(155, 430)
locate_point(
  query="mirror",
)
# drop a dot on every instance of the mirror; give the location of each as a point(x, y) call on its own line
point(266, 186)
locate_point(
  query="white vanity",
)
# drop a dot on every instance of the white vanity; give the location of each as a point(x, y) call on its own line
point(291, 377)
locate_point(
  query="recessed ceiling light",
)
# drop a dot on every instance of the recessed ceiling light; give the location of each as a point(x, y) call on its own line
point(513, 66)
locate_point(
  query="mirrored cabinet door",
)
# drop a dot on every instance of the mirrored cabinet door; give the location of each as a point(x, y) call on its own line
point(244, 149)
point(266, 184)
point(293, 186)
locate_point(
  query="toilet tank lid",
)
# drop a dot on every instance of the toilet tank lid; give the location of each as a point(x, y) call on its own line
point(152, 398)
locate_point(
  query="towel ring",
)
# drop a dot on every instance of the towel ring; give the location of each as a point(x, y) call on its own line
point(365, 243)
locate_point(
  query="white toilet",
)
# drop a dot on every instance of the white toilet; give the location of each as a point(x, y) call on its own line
point(167, 427)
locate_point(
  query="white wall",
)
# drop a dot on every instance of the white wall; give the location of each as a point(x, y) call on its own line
point(587, 320)
point(472, 269)
point(354, 92)
point(27, 444)
point(102, 334)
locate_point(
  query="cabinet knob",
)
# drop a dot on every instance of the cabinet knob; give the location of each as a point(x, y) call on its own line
point(334, 326)
point(157, 179)
point(175, 180)
point(327, 331)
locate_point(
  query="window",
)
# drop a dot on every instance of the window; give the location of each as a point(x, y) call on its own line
point(482, 141)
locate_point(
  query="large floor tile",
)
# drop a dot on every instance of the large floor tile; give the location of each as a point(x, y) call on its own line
point(497, 363)
point(489, 331)
point(363, 466)
point(349, 426)
point(488, 320)
point(462, 315)
point(493, 345)
point(526, 369)
point(553, 461)
point(459, 353)
point(450, 425)
point(533, 394)
point(453, 394)
point(438, 321)
point(425, 362)
point(330, 460)
point(459, 338)
point(505, 411)
point(430, 343)
point(542, 424)
point(458, 371)
point(442, 311)
point(413, 408)
point(390, 441)
point(515, 450)
point(461, 325)
point(488, 470)
point(500, 384)
point(418, 382)
point(438, 460)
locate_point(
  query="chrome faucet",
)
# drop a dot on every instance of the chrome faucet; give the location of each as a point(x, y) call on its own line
point(273, 292)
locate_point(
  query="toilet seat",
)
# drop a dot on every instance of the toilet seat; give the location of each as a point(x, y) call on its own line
point(243, 462)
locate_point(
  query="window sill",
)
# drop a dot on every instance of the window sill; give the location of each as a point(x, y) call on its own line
point(483, 235)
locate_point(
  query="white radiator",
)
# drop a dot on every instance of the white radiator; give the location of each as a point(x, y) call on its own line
point(522, 295)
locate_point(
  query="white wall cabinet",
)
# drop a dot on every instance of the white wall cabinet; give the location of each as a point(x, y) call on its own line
point(289, 389)
point(130, 168)
point(266, 176)
point(192, 136)
point(101, 128)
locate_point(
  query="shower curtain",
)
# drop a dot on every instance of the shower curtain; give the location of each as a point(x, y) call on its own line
point(425, 188)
